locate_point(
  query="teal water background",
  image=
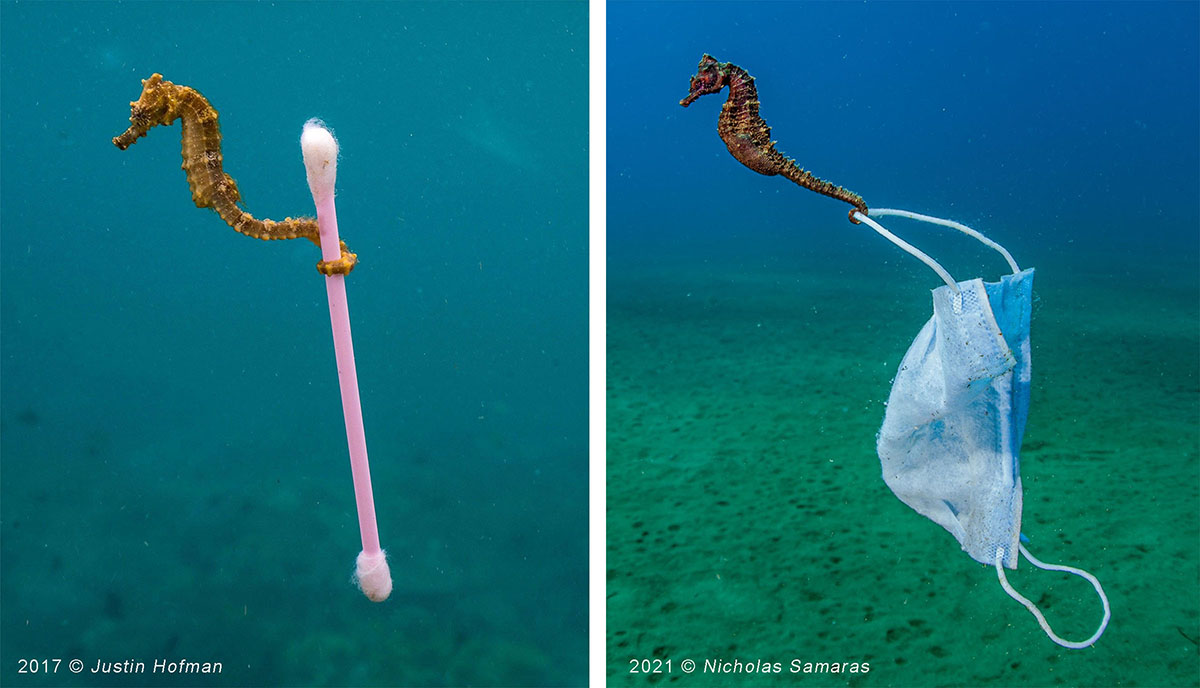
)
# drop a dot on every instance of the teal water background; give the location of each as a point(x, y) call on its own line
point(175, 480)
point(753, 334)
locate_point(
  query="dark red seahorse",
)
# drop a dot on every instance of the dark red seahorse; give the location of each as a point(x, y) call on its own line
point(746, 134)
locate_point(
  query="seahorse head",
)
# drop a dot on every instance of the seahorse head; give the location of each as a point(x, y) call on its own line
point(152, 108)
point(711, 77)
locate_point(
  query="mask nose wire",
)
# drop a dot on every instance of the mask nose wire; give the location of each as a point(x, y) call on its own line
point(1037, 613)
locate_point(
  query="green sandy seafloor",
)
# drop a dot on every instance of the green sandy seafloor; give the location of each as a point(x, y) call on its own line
point(747, 519)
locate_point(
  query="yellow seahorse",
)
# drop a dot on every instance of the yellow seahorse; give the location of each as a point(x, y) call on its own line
point(163, 102)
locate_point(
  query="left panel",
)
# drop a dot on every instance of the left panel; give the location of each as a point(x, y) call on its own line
point(176, 479)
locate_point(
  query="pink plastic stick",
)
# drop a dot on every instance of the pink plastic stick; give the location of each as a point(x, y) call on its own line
point(320, 157)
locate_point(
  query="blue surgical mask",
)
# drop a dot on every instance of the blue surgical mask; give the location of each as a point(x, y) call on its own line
point(951, 437)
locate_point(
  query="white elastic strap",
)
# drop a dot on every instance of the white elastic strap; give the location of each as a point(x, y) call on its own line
point(953, 225)
point(1037, 613)
point(913, 250)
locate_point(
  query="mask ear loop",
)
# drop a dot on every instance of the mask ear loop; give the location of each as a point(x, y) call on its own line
point(910, 249)
point(921, 255)
point(1037, 613)
point(952, 225)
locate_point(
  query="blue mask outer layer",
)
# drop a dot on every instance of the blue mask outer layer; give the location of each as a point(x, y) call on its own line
point(951, 437)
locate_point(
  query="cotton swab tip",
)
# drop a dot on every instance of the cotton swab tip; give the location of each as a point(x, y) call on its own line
point(373, 576)
point(320, 158)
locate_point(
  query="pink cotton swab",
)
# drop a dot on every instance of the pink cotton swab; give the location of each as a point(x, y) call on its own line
point(320, 160)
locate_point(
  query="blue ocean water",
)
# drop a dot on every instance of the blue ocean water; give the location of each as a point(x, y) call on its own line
point(1063, 127)
point(753, 335)
point(175, 478)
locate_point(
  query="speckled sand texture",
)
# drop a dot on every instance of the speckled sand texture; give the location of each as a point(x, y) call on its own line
point(747, 516)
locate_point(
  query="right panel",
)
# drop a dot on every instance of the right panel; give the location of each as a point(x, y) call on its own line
point(814, 464)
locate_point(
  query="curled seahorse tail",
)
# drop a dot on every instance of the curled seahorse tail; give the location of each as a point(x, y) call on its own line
point(812, 182)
